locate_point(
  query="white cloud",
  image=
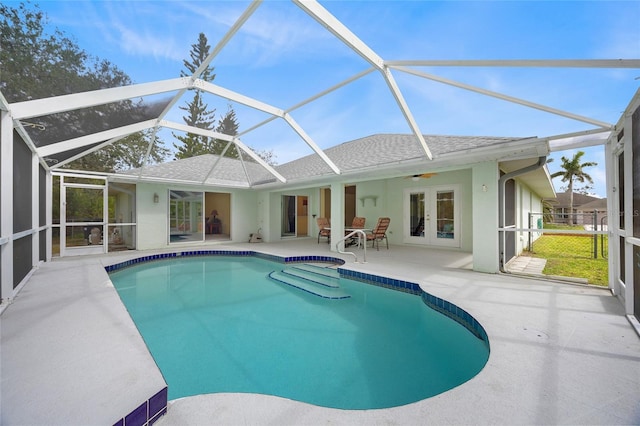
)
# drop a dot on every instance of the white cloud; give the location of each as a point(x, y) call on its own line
point(274, 31)
point(145, 43)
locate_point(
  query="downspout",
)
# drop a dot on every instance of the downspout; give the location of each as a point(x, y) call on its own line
point(501, 213)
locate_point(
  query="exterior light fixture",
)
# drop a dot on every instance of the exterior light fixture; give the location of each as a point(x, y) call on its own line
point(156, 198)
point(484, 188)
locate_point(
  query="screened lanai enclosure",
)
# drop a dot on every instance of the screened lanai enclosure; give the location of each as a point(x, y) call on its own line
point(97, 162)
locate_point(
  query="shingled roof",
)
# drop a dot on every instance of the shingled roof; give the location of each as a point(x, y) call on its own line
point(366, 153)
point(562, 200)
point(381, 149)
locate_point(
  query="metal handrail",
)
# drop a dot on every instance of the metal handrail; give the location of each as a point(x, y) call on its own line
point(362, 236)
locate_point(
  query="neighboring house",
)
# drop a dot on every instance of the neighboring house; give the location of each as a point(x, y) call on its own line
point(454, 199)
point(584, 209)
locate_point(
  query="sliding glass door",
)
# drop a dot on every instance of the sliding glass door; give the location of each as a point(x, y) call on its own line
point(295, 220)
point(186, 222)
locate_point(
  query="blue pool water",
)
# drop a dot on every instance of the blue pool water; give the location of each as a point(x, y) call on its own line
point(219, 324)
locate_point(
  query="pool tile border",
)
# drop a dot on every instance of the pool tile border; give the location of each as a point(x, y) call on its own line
point(445, 307)
point(457, 314)
point(147, 413)
point(240, 253)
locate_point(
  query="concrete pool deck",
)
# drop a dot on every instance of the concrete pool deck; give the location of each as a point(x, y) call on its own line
point(560, 353)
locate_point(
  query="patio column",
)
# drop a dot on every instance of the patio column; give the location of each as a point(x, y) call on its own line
point(337, 213)
point(6, 203)
point(484, 193)
point(35, 209)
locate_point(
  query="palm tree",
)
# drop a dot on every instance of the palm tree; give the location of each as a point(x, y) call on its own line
point(573, 171)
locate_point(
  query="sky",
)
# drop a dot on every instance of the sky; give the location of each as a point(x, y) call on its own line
point(281, 56)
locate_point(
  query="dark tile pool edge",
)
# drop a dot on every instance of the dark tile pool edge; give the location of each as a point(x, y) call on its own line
point(240, 253)
point(442, 306)
point(147, 413)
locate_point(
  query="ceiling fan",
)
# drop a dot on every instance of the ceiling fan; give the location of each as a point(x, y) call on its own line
point(417, 177)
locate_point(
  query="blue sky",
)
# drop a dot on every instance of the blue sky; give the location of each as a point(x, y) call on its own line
point(281, 57)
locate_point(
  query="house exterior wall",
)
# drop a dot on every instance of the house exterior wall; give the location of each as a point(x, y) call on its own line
point(391, 204)
point(528, 202)
point(152, 218)
point(270, 211)
point(245, 215)
point(262, 210)
point(372, 203)
point(484, 218)
point(585, 217)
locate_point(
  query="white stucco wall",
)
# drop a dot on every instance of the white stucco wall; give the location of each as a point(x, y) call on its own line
point(485, 217)
point(152, 219)
point(271, 211)
point(393, 203)
point(527, 202)
point(245, 215)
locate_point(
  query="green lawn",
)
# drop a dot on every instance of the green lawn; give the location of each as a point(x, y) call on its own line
point(572, 256)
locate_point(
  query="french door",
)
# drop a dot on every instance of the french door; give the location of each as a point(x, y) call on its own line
point(431, 216)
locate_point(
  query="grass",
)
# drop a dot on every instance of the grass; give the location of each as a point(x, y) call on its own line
point(572, 255)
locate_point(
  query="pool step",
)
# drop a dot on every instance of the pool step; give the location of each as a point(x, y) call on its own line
point(323, 276)
point(329, 270)
point(318, 284)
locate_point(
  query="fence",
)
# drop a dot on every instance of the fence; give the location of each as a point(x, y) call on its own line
point(581, 235)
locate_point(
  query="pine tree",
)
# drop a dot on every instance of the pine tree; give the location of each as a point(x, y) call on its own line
point(198, 114)
point(227, 125)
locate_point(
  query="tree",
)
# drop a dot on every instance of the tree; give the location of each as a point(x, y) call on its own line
point(127, 153)
point(35, 64)
point(198, 114)
point(228, 125)
point(38, 64)
point(573, 172)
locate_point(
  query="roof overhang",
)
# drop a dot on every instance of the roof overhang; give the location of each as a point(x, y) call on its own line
point(538, 180)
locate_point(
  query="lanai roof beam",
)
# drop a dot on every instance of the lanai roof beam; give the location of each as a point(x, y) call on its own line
point(528, 63)
point(216, 135)
point(56, 104)
point(311, 99)
point(245, 100)
point(227, 37)
point(523, 102)
point(338, 29)
point(93, 138)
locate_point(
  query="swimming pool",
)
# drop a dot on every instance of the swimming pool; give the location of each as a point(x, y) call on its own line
point(219, 324)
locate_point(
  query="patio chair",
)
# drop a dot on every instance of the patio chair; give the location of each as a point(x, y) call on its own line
point(358, 222)
point(379, 233)
point(323, 224)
